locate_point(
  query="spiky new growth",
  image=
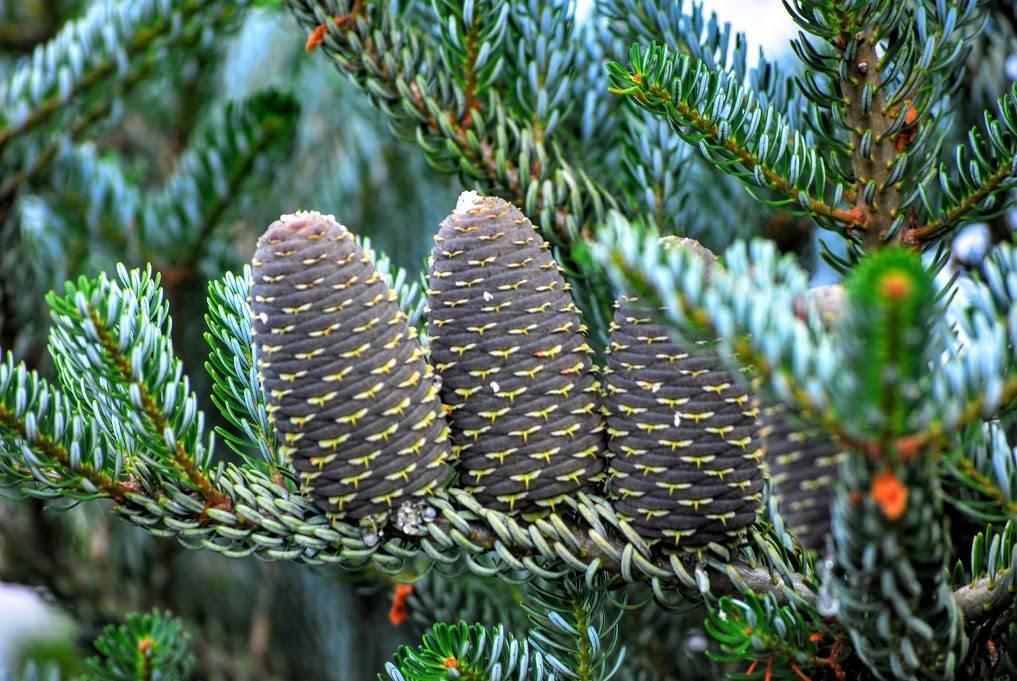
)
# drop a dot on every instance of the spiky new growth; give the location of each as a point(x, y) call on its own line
point(462, 651)
point(149, 646)
point(886, 335)
point(891, 545)
point(515, 365)
point(348, 388)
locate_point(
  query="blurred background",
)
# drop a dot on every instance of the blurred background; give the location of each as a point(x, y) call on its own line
point(65, 573)
point(132, 193)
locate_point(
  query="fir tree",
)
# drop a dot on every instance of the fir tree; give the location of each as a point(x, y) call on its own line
point(633, 423)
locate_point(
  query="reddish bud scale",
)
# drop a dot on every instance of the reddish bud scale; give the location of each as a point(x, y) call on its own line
point(316, 38)
point(354, 402)
point(516, 372)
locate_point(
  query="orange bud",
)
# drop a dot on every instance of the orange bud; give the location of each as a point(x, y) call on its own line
point(896, 285)
point(397, 615)
point(858, 216)
point(890, 493)
point(911, 116)
point(399, 612)
point(905, 137)
point(316, 38)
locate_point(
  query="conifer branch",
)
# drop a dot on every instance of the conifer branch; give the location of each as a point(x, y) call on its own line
point(266, 518)
point(183, 460)
point(399, 66)
point(876, 94)
point(236, 390)
point(259, 525)
point(576, 628)
point(145, 648)
point(35, 419)
point(229, 152)
point(34, 94)
point(979, 377)
point(873, 151)
point(774, 639)
point(907, 396)
point(50, 449)
point(655, 183)
point(542, 57)
point(749, 305)
point(111, 335)
point(964, 386)
point(970, 413)
point(231, 149)
point(13, 184)
point(970, 191)
point(755, 143)
point(382, 52)
point(984, 484)
point(97, 108)
point(687, 29)
point(468, 652)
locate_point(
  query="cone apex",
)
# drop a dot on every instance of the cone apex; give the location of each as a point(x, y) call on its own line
point(302, 225)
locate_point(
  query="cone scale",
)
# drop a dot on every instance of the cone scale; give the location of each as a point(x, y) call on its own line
point(803, 466)
point(516, 370)
point(352, 398)
point(686, 466)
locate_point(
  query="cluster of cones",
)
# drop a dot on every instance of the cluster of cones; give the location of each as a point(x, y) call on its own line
point(510, 400)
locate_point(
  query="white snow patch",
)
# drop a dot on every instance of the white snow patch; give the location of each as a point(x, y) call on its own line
point(467, 201)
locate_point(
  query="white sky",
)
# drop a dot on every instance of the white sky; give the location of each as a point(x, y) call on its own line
point(765, 23)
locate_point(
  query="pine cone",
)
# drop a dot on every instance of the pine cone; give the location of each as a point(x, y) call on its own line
point(683, 433)
point(515, 367)
point(354, 401)
point(803, 465)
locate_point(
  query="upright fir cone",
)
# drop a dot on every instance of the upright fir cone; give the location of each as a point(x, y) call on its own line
point(515, 367)
point(348, 388)
point(803, 462)
point(803, 465)
point(683, 431)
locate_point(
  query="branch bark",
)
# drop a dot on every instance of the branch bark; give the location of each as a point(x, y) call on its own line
point(867, 117)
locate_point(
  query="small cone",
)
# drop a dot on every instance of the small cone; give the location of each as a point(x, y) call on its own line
point(686, 462)
point(516, 372)
point(803, 466)
point(349, 391)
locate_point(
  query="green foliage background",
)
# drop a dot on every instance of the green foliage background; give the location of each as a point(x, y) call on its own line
point(265, 621)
